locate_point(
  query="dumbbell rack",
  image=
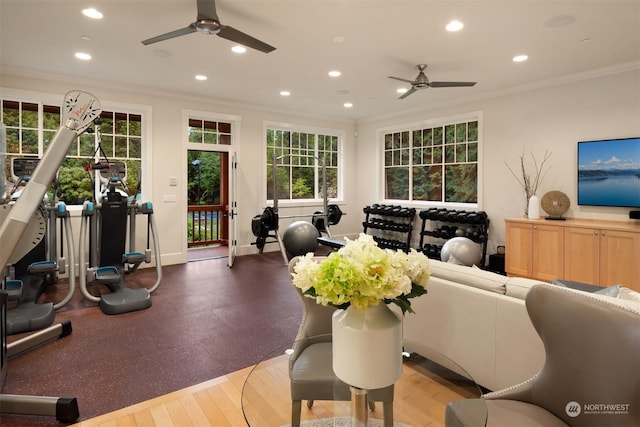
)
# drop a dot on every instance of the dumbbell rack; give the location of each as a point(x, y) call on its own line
point(441, 224)
point(390, 225)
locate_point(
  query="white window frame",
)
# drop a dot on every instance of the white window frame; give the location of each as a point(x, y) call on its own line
point(145, 111)
point(304, 129)
point(435, 122)
point(213, 117)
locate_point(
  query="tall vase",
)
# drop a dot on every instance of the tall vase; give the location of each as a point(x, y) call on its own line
point(534, 207)
point(367, 346)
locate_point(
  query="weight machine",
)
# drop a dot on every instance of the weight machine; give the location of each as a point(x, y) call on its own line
point(41, 265)
point(106, 223)
point(264, 224)
point(79, 111)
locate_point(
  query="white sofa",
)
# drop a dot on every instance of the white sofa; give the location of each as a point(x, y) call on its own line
point(478, 320)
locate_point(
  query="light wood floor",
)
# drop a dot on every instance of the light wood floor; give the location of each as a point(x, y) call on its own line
point(420, 399)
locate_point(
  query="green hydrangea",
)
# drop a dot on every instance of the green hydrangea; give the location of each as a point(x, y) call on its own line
point(362, 274)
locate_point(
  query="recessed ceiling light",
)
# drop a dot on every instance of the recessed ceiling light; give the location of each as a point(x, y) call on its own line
point(201, 77)
point(520, 58)
point(454, 26)
point(285, 93)
point(239, 49)
point(92, 13)
point(83, 56)
point(402, 90)
point(335, 73)
point(348, 105)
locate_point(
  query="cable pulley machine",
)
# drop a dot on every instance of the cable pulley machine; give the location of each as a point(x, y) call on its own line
point(266, 224)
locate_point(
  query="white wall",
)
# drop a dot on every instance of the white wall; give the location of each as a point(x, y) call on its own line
point(547, 118)
point(551, 117)
point(167, 139)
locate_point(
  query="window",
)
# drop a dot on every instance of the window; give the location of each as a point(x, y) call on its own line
point(21, 120)
point(32, 125)
point(209, 132)
point(433, 163)
point(120, 140)
point(299, 156)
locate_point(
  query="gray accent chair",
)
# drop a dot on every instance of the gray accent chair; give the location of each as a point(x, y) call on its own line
point(310, 365)
point(591, 375)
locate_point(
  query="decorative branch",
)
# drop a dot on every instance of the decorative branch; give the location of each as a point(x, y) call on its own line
point(528, 182)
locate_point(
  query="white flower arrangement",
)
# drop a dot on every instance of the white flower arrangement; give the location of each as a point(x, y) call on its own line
point(363, 275)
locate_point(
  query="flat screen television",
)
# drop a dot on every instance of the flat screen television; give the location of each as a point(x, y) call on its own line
point(609, 172)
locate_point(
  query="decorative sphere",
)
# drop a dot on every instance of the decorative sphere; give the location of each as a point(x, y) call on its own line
point(300, 238)
point(463, 250)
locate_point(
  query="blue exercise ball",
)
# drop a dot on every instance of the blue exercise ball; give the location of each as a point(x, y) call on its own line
point(461, 250)
point(300, 238)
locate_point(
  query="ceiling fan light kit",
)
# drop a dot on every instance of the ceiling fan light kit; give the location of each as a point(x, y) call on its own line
point(422, 82)
point(207, 22)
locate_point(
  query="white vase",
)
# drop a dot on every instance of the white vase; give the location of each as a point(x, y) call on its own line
point(534, 207)
point(367, 346)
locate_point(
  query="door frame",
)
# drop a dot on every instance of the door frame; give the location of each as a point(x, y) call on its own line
point(231, 170)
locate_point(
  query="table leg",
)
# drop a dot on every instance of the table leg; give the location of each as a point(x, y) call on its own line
point(359, 407)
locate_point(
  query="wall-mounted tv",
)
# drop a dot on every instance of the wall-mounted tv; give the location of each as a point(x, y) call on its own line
point(609, 172)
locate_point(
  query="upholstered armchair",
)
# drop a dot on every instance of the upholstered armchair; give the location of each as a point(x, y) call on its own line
point(310, 366)
point(591, 375)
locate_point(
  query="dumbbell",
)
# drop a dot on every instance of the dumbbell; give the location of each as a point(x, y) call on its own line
point(473, 232)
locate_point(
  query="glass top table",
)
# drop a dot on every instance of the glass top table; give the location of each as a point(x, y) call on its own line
point(420, 396)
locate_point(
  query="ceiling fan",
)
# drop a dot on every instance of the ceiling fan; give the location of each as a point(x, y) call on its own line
point(207, 22)
point(422, 82)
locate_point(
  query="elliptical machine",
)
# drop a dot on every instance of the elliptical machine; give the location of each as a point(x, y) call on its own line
point(43, 263)
point(79, 111)
point(104, 224)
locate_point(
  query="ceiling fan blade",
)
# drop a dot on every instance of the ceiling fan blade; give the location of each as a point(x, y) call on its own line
point(207, 10)
point(402, 80)
point(451, 84)
point(238, 36)
point(407, 93)
point(177, 33)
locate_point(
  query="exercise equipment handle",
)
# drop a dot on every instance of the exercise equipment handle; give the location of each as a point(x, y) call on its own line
point(80, 109)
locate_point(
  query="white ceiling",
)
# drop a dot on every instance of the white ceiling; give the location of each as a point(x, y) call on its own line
point(381, 38)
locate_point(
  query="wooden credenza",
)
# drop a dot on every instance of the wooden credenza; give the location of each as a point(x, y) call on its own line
point(599, 252)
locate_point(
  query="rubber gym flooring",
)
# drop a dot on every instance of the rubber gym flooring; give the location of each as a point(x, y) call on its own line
point(206, 320)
